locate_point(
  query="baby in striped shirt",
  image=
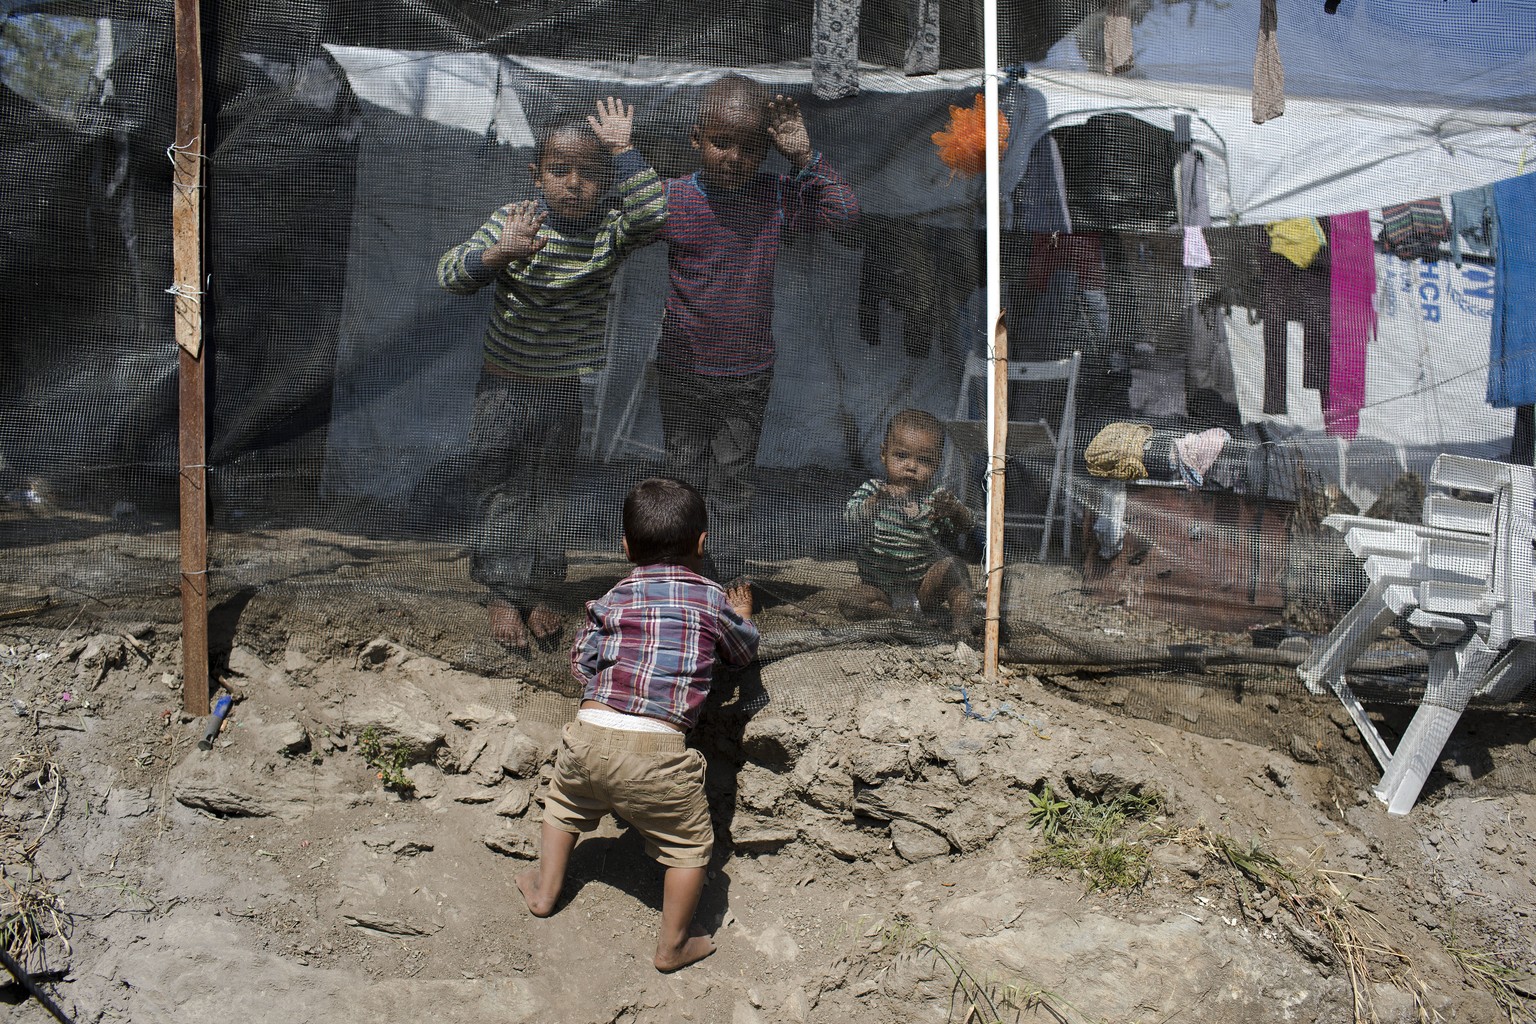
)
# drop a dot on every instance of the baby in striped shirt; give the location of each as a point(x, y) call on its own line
point(552, 261)
point(907, 530)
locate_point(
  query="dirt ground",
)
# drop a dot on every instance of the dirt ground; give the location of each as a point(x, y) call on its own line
point(884, 816)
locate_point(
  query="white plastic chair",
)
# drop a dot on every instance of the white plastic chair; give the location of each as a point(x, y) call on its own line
point(1025, 437)
point(1465, 580)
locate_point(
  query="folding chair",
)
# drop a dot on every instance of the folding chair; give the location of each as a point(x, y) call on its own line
point(968, 438)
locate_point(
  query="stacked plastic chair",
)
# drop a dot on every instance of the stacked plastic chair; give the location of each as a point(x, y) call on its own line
point(1463, 581)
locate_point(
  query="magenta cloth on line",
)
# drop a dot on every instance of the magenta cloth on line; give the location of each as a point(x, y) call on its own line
point(1352, 309)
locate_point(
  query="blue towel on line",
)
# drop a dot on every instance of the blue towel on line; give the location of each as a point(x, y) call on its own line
point(1512, 347)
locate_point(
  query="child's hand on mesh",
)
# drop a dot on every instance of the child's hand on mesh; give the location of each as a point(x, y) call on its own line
point(948, 508)
point(613, 125)
point(786, 127)
point(519, 238)
point(739, 594)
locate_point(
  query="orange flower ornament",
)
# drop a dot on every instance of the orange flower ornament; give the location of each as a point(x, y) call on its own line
point(963, 145)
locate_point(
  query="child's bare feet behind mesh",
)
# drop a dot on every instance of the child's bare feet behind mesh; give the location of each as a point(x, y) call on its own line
point(545, 624)
point(695, 947)
point(507, 625)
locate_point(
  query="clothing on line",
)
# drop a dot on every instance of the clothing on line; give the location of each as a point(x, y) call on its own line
point(1512, 343)
point(1352, 319)
point(1290, 293)
point(1268, 71)
point(835, 45)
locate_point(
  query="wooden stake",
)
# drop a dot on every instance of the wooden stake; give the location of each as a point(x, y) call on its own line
point(187, 264)
point(997, 461)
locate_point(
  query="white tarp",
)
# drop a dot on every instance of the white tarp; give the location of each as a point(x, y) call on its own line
point(1322, 157)
point(464, 90)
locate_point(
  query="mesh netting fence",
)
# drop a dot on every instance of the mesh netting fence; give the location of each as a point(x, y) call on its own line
point(427, 400)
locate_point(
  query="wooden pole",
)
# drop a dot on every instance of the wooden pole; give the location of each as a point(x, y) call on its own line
point(997, 462)
point(187, 263)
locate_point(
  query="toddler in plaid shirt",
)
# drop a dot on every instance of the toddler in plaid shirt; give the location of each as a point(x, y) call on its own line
point(646, 658)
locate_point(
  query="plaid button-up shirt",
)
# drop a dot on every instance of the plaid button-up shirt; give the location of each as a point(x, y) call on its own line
point(650, 645)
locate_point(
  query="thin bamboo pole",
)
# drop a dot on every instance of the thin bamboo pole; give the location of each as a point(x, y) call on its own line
point(997, 447)
point(187, 261)
point(997, 351)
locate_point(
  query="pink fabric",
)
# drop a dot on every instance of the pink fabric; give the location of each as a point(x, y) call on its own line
point(1200, 451)
point(1352, 307)
point(1197, 254)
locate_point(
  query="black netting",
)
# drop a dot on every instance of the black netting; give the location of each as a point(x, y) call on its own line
point(1182, 318)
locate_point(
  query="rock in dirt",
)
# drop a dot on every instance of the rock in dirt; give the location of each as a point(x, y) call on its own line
point(127, 803)
point(510, 843)
point(915, 843)
point(472, 716)
point(100, 654)
point(1303, 751)
point(967, 769)
point(288, 739)
point(295, 660)
point(233, 787)
point(983, 914)
point(1108, 779)
point(759, 789)
point(246, 665)
point(410, 847)
point(774, 741)
point(381, 652)
point(1176, 859)
point(426, 780)
point(514, 804)
point(756, 837)
point(402, 719)
point(521, 756)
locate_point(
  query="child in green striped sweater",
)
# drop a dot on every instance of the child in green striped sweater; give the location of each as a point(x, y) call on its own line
point(907, 530)
point(552, 261)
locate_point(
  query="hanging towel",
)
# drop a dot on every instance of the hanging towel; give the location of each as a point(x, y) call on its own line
point(835, 45)
point(1416, 230)
point(923, 50)
point(1194, 209)
point(1472, 223)
point(1039, 203)
point(1352, 319)
point(1512, 351)
point(835, 49)
point(1119, 51)
point(1268, 72)
point(1116, 451)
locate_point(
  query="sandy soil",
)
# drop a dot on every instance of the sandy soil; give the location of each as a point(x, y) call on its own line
point(877, 858)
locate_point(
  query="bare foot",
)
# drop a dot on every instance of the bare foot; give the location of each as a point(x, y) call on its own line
point(528, 885)
point(544, 622)
point(694, 948)
point(507, 625)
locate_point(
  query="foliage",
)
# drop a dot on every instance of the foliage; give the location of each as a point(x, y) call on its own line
point(1313, 898)
point(30, 912)
point(1103, 839)
point(1490, 970)
point(973, 999)
point(388, 760)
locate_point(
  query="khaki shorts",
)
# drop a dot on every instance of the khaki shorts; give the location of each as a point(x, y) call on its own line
point(650, 779)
